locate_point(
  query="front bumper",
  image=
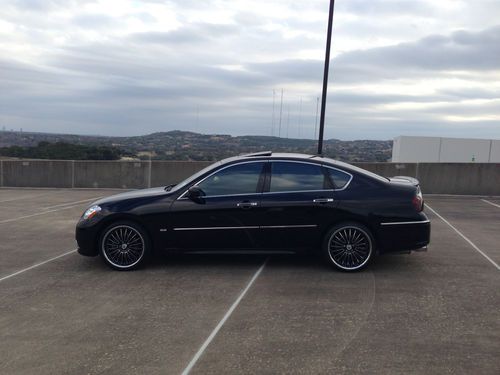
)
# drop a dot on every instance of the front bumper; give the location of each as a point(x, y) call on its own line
point(87, 238)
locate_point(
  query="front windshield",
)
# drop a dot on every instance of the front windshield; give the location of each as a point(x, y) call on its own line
point(193, 177)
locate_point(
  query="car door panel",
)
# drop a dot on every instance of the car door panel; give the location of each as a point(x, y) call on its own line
point(295, 218)
point(227, 217)
point(216, 223)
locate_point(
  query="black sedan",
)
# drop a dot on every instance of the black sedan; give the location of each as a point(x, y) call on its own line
point(257, 203)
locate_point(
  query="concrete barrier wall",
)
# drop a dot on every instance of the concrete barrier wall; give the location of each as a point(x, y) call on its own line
point(445, 178)
point(36, 173)
point(172, 172)
point(390, 169)
point(111, 174)
point(460, 178)
point(435, 178)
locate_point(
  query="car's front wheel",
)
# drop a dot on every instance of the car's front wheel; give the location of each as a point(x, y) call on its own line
point(348, 246)
point(124, 246)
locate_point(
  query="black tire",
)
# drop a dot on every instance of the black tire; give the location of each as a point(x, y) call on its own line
point(349, 246)
point(124, 246)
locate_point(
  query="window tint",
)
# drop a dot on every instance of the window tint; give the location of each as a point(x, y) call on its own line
point(296, 177)
point(238, 179)
point(339, 178)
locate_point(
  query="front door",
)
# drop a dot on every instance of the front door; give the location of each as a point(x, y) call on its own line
point(228, 214)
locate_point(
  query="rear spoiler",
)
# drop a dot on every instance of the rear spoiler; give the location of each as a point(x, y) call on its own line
point(405, 179)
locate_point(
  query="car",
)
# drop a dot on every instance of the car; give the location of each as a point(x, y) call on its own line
point(262, 202)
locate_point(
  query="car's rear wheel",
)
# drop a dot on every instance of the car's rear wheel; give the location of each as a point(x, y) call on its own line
point(349, 246)
point(124, 246)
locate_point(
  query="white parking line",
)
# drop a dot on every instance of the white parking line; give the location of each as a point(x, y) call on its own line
point(207, 342)
point(37, 214)
point(36, 265)
point(493, 204)
point(464, 237)
point(25, 197)
point(72, 203)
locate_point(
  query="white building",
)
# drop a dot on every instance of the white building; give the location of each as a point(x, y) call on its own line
point(407, 149)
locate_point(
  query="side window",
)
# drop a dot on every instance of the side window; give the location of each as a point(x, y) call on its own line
point(288, 176)
point(238, 179)
point(339, 178)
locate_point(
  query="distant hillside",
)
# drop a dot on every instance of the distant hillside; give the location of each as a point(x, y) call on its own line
point(181, 145)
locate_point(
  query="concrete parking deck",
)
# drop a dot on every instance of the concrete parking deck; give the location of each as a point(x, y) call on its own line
point(425, 313)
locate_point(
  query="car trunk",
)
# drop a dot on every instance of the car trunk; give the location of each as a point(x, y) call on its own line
point(405, 180)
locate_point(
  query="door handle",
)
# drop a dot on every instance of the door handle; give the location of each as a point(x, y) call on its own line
point(246, 205)
point(323, 200)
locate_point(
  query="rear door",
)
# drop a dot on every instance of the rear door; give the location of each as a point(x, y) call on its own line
point(228, 215)
point(297, 202)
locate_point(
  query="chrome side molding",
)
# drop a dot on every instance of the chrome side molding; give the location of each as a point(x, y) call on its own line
point(406, 222)
point(323, 200)
point(249, 227)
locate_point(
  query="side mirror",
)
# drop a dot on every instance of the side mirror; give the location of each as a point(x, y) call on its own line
point(195, 194)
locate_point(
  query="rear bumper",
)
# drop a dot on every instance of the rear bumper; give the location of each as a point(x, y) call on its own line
point(422, 249)
point(404, 235)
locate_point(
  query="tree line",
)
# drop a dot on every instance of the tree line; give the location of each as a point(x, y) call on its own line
point(64, 151)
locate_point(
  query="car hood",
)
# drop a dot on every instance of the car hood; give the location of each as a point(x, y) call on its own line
point(143, 193)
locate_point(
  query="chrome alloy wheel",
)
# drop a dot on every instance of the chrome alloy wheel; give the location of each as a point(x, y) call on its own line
point(123, 246)
point(350, 248)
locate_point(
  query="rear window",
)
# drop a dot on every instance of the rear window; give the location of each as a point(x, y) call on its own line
point(356, 169)
point(339, 178)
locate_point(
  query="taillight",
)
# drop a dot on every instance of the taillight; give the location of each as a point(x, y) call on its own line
point(418, 200)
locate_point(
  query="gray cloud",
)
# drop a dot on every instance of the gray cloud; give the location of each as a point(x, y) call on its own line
point(471, 51)
point(93, 21)
point(44, 6)
point(197, 33)
point(378, 8)
point(136, 81)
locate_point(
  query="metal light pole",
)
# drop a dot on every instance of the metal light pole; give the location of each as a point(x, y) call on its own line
point(300, 118)
point(325, 78)
point(281, 113)
point(272, 122)
point(316, 118)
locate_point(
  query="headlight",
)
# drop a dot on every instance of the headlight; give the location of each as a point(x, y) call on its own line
point(91, 212)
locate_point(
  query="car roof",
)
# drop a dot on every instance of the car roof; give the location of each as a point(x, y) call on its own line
point(268, 155)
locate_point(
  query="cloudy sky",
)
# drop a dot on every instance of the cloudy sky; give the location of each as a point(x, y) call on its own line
point(119, 67)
